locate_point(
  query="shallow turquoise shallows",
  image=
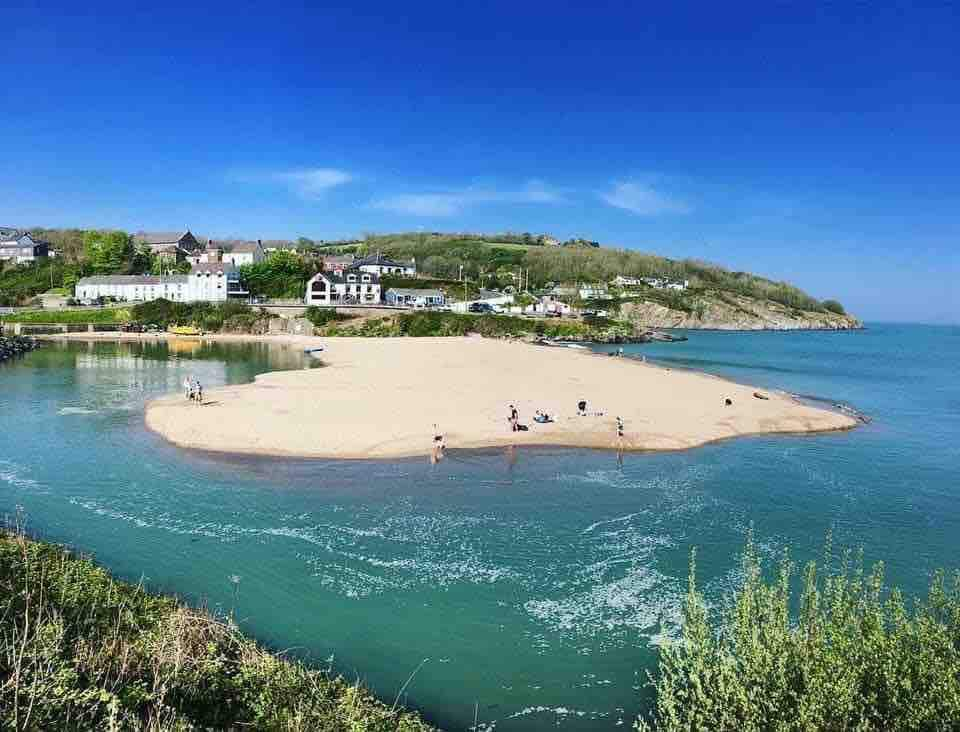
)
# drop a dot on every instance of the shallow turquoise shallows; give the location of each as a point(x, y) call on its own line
point(530, 591)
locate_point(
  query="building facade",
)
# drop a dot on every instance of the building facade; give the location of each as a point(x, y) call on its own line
point(353, 287)
point(380, 264)
point(21, 248)
point(413, 298)
point(247, 252)
point(212, 282)
point(168, 245)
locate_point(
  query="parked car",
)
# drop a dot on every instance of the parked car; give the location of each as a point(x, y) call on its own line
point(480, 307)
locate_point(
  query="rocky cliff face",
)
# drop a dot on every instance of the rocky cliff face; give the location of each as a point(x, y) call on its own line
point(725, 311)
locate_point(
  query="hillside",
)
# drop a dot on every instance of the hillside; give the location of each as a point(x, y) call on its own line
point(723, 311)
point(715, 298)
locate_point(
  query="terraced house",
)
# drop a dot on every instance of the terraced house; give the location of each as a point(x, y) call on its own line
point(207, 282)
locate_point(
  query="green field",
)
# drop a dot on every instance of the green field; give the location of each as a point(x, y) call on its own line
point(70, 317)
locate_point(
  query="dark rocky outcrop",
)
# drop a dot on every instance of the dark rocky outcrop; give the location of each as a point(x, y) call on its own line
point(14, 346)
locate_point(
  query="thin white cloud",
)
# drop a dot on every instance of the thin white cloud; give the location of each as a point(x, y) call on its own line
point(644, 200)
point(453, 202)
point(308, 183)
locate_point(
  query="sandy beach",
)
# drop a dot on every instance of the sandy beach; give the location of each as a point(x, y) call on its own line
point(378, 398)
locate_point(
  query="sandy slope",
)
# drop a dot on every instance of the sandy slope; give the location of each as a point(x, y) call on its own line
point(381, 398)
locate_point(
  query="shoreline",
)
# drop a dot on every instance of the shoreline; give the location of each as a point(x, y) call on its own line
point(358, 407)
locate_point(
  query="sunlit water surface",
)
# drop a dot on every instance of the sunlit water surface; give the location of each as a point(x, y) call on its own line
point(530, 589)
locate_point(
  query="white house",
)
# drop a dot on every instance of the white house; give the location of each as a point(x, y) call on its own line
point(592, 292)
point(380, 264)
point(19, 248)
point(246, 252)
point(662, 283)
point(544, 305)
point(496, 300)
point(353, 287)
point(621, 281)
point(133, 288)
point(412, 298)
point(214, 282)
point(211, 282)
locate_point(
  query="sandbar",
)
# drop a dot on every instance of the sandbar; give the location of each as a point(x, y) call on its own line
point(381, 397)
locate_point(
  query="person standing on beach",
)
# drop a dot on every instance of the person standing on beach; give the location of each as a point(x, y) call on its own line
point(187, 387)
point(514, 418)
point(199, 392)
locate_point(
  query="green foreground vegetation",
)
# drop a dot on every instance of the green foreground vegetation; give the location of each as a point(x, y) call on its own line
point(80, 650)
point(68, 317)
point(425, 324)
point(849, 655)
point(227, 317)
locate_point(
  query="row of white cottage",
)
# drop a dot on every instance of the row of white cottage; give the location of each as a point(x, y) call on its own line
point(207, 282)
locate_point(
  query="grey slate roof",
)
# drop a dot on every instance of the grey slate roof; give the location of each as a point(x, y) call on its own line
point(133, 280)
point(159, 237)
point(411, 292)
point(340, 279)
point(381, 260)
point(224, 267)
point(245, 246)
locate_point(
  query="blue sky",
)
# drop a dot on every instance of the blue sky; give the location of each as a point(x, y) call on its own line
point(815, 144)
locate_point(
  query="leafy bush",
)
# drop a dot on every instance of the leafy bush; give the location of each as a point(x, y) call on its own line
point(854, 659)
point(832, 306)
point(19, 283)
point(324, 316)
point(80, 650)
point(281, 275)
point(231, 316)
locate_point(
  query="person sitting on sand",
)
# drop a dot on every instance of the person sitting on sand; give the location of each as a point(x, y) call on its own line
point(542, 417)
point(582, 407)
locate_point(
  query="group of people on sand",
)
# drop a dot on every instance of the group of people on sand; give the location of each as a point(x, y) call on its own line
point(541, 417)
point(193, 390)
point(513, 419)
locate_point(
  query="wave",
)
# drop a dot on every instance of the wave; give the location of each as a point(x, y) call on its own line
point(12, 474)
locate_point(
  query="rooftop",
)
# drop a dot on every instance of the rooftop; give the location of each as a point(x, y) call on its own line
point(333, 277)
point(159, 237)
point(382, 259)
point(133, 280)
point(204, 267)
point(413, 292)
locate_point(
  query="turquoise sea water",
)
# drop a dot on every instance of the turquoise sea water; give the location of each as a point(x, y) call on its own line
point(536, 584)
